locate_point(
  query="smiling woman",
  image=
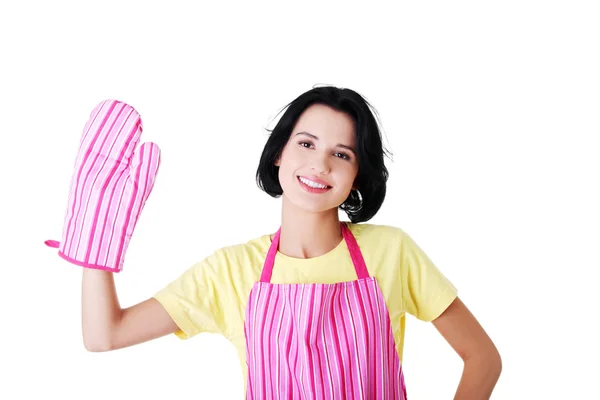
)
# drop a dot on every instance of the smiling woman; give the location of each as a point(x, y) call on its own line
point(318, 162)
point(339, 123)
point(315, 310)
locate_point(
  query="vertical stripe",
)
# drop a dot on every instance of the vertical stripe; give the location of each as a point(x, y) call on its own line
point(368, 324)
point(113, 210)
point(380, 344)
point(344, 314)
point(317, 364)
point(312, 384)
point(301, 342)
point(328, 381)
point(99, 198)
point(271, 355)
point(321, 341)
point(83, 153)
point(338, 345)
point(103, 174)
point(149, 161)
point(288, 348)
point(134, 199)
point(358, 335)
point(349, 367)
point(105, 255)
point(280, 344)
point(84, 168)
point(88, 190)
point(362, 342)
point(265, 350)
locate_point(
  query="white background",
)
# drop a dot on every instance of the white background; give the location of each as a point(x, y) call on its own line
point(490, 111)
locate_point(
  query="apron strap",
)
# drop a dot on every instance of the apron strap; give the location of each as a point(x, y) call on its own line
point(270, 260)
point(355, 254)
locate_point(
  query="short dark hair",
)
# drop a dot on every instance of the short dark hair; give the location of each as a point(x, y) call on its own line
point(362, 204)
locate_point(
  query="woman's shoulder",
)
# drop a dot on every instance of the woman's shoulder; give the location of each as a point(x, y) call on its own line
point(242, 253)
point(373, 233)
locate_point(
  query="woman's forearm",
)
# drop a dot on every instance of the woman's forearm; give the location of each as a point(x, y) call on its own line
point(479, 377)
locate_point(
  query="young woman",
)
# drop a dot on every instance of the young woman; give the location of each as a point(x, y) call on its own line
point(317, 309)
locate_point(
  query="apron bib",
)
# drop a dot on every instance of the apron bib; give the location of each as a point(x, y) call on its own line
point(321, 341)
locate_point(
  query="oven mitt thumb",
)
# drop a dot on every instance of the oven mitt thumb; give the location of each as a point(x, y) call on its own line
point(111, 182)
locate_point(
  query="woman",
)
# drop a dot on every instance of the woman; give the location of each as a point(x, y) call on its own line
point(315, 310)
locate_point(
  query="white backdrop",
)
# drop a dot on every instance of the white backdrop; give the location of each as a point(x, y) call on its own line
point(490, 110)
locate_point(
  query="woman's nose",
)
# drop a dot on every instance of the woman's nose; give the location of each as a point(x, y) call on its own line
point(320, 164)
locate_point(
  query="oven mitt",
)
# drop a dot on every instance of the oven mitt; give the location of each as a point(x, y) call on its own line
point(111, 182)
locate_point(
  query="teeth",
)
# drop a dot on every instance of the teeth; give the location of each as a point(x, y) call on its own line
point(312, 184)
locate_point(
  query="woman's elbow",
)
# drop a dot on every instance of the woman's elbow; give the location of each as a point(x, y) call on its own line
point(96, 346)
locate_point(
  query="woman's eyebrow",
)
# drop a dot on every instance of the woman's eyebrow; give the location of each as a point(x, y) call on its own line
point(310, 135)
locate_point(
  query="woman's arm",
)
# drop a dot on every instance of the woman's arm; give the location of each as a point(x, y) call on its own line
point(108, 327)
point(482, 362)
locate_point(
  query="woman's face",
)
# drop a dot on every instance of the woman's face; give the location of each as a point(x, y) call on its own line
point(318, 165)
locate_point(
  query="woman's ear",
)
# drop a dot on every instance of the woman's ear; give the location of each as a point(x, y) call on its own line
point(277, 161)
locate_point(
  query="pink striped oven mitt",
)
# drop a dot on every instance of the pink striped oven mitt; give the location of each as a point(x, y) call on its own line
point(109, 187)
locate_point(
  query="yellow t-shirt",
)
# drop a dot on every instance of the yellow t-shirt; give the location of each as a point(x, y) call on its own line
point(211, 296)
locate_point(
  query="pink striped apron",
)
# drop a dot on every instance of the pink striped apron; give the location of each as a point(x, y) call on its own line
point(321, 341)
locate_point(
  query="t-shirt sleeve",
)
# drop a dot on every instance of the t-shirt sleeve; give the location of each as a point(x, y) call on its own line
point(195, 299)
point(426, 292)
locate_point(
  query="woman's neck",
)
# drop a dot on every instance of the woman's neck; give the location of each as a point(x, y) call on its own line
point(308, 234)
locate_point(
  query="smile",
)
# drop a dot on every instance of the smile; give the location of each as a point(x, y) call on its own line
point(312, 186)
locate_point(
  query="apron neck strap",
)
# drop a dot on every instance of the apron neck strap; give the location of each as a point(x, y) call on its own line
point(355, 254)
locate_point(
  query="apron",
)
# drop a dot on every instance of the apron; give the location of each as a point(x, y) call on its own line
point(321, 341)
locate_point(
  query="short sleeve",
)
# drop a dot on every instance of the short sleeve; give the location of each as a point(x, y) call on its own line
point(196, 300)
point(426, 292)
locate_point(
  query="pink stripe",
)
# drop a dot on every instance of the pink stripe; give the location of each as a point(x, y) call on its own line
point(124, 238)
point(288, 328)
point(249, 343)
point(369, 325)
point(270, 260)
point(294, 377)
point(349, 365)
point(75, 179)
point(95, 169)
point(68, 240)
point(358, 335)
point(328, 380)
point(257, 343)
point(106, 194)
point(103, 245)
point(115, 215)
point(111, 210)
point(264, 350)
point(298, 362)
point(307, 338)
point(338, 343)
point(149, 157)
point(355, 253)
point(88, 189)
point(321, 341)
point(316, 362)
point(279, 367)
point(99, 198)
point(334, 346)
point(380, 340)
point(345, 331)
point(272, 353)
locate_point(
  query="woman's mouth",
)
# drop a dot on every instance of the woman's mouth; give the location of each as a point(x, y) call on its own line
point(312, 186)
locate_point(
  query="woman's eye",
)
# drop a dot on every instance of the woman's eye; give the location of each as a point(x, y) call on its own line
point(342, 155)
point(305, 144)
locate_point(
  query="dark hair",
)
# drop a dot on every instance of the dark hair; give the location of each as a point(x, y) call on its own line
point(362, 204)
